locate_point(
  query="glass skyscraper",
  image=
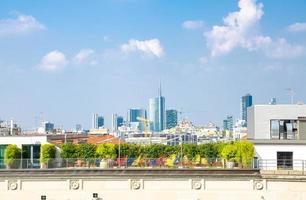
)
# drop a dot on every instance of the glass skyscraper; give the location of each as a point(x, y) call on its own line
point(228, 123)
point(157, 113)
point(246, 101)
point(117, 121)
point(171, 118)
point(97, 121)
point(134, 113)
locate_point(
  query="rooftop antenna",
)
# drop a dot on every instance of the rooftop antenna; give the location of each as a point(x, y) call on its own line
point(291, 93)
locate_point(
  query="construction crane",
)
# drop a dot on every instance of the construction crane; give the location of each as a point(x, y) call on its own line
point(146, 124)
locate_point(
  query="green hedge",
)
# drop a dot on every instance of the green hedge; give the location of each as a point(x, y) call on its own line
point(12, 156)
point(47, 153)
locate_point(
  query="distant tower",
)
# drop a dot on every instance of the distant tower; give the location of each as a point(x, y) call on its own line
point(171, 118)
point(157, 112)
point(228, 123)
point(117, 121)
point(97, 121)
point(246, 101)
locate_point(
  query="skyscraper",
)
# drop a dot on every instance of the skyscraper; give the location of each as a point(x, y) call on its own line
point(97, 121)
point(133, 113)
point(246, 101)
point(117, 121)
point(157, 112)
point(228, 123)
point(273, 101)
point(171, 118)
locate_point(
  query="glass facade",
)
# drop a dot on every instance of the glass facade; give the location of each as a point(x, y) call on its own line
point(171, 118)
point(157, 113)
point(283, 129)
point(246, 101)
point(2, 149)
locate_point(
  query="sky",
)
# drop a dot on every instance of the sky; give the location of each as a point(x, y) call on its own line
point(70, 59)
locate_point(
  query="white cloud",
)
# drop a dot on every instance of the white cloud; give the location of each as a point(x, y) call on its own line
point(240, 31)
point(297, 27)
point(22, 24)
point(84, 55)
point(149, 47)
point(192, 24)
point(236, 29)
point(53, 61)
point(281, 49)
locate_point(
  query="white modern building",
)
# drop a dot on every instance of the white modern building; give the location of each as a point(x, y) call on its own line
point(279, 135)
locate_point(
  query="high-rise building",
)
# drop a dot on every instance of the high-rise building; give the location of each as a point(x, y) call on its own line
point(133, 113)
point(171, 118)
point(246, 101)
point(78, 127)
point(157, 112)
point(228, 123)
point(97, 121)
point(48, 127)
point(117, 121)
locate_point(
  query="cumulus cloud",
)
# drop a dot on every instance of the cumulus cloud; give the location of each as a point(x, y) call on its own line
point(192, 24)
point(240, 31)
point(149, 47)
point(297, 27)
point(84, 55)
point(22, 24)
point(236, 29)
point(53, 61)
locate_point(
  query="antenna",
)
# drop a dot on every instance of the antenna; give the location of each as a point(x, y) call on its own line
point(291, 93)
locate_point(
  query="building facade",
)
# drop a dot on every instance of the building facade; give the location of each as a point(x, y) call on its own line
point(246, 101)
point(228, 123)
point(171, 118)
point(97, 121)
point(157, 113)
point(117, 121)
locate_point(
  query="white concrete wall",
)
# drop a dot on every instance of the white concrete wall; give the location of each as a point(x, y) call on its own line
point(259, 117)
point(20, 140)
point(268, 153)
point(152, 189)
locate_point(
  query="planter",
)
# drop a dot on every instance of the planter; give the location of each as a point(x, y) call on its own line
point(230, 164)
point(43, 165)
point(103, 164)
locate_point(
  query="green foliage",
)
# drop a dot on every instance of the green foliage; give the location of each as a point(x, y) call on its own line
point(229, 152)
point(47, 152)
point(153, 151)
point(245, 153)
point(87, 151)
point(69, 150)
point(190, 150)
point(12, 155)
point(107, 151)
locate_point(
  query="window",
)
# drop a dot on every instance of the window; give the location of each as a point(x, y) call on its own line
point(284, 160)
point(283, 129)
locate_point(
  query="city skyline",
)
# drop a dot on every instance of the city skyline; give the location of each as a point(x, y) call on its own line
point(108, 56)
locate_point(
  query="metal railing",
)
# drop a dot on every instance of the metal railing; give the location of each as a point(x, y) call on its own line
point(281, 164)
point(170, 162)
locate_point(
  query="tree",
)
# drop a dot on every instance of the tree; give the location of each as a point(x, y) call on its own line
point(87, 151)
point(69, 151)
point(47, 152)
point(12, 156)
point(245, 153)
point(107, 151)
point(229, 152)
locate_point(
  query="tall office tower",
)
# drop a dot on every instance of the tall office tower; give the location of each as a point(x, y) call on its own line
point(117, 121)
point(97, 121)
point(48, 127)
point(157, 112)
point(171, 118)
point(246, 101)
point(273, 101)
point(228, 123)
point(133, 113)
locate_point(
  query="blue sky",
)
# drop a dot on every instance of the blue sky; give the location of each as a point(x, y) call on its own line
point(69, 59)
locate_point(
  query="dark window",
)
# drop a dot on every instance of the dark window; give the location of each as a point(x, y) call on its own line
point(284, 160)
point(283, 129)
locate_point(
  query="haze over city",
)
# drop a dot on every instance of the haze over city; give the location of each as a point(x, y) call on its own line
point(108, 56)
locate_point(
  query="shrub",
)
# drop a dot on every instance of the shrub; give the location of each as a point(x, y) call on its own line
point(107, 151)
point(86, 151)
point(153, 151)
point(245, 153)
point(69, 150)
point(12, 156)
point(47, 153)
point(229, 152)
